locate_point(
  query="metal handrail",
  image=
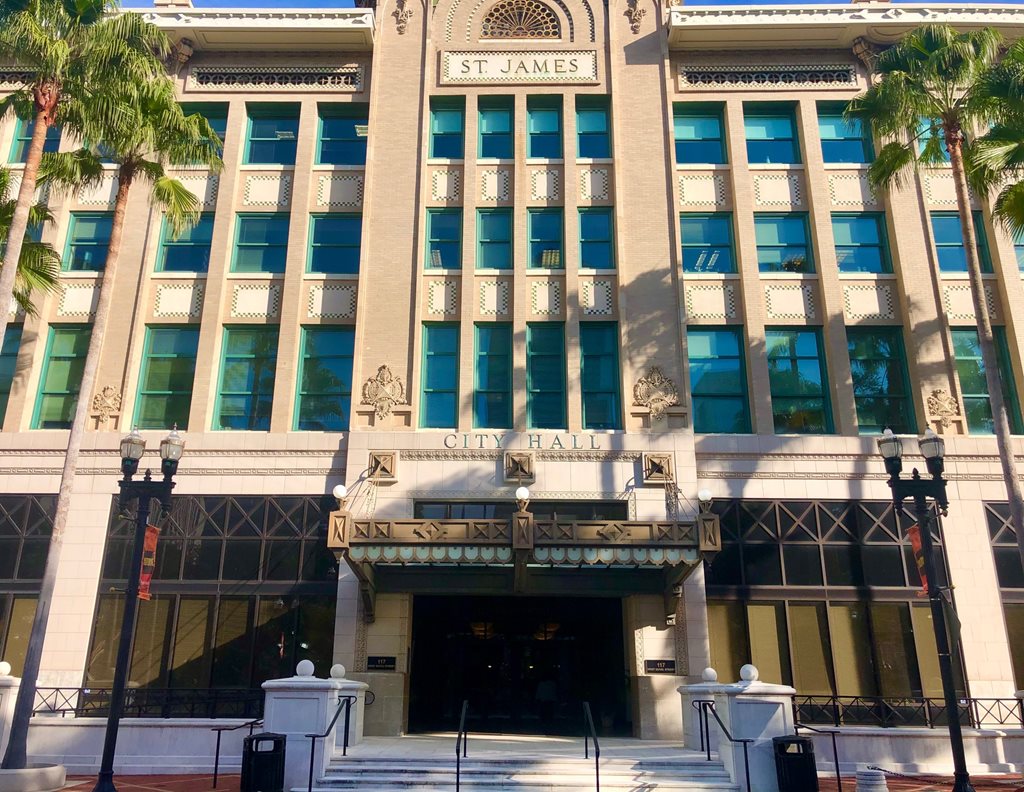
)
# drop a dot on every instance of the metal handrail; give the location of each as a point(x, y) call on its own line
point(835, 750)
point(220, 729)
point(461, 744)
point(897, 711)
point(344, 703)
point(704, 706)
point(590, 733)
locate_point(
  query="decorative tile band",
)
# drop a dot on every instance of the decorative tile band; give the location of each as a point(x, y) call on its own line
point(744, 77)
point(347, 79)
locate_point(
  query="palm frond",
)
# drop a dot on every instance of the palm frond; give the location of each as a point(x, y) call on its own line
point(70, 170)
point(1009, 209)
point(181, 207)
point(892, 165)
point(38, 270)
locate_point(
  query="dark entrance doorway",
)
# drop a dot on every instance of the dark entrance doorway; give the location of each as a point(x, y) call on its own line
point(525, 664)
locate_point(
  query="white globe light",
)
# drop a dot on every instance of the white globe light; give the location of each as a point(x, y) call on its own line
point(340, 492)
point(304, 668)
point(705, 495)
point(522, 493)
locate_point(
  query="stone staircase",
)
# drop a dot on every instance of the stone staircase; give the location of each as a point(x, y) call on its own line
point(687, 773)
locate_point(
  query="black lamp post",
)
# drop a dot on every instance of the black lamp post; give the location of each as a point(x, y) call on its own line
point(144, 491)
point(933, 449)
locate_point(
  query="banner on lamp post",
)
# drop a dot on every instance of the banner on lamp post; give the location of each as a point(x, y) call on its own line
point(914, 534)
point(148, 561)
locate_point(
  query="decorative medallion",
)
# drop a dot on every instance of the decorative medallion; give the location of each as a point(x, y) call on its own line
point(656, 392)
point(943, 407)
point(520, 19)
point(106, 403)
point(383, 392)
point(402, 15)
point(636, 15)
point(657, 468)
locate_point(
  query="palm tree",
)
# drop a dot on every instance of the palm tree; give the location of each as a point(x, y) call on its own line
point(150, 131)
point(69, 49)
point(39, 264)
point(938, 75)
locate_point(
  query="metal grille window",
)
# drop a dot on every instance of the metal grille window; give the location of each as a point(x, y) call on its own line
point(341, 139)
point(697, 129)
point(782, 243)
point(325, 379)
point(168, 373)
point(861, 243)
point(771, 134)
point(842, 140)
point(544, 127)
point(188, 252)
point(593, 136)
point(496, 115)
point(970, 369)
point(61, 379)
point(492, 398)
point(494, 239)
point(545, 228)
point(949, 242)
point(335, 242)
point(440, 376)
point(261, 243)
point(597, 240)
point(444, 239)
point(248, 368)
point(1010, 575)
point(88, 240)
point(447, 118)
point(545, 375)
point(23, 131)
point(718, 380)
point(707, 242)
point(599, 376)
point(878, 363)
point(8, 364)
point(273, 134)
point(796, 377)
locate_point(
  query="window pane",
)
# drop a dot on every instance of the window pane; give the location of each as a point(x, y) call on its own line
point(340, 140)
point(335, 242)
point(812, 664)
point(88, 239)
point(796, 373)
point(878, 366)
point(717, 380)
point(444, 239)
point(439, 376)
point(707, 243)
point(769, 650)
point(261, 243)
point(599, 353)
point(851, 650)
point(782, 243)
point(325, 380)
point(974, 388)
point(771, 136)
point(248, 369)
point(168, 370)
point(894, 648)
point(545, 375)
point(728, 637)
point(61, 377)
point(698, 134)
point(492, 404)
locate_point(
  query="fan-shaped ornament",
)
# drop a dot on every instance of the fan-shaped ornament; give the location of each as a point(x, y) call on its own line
point(521, 19)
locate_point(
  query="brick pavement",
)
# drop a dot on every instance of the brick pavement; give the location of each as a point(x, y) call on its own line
point(159, 783)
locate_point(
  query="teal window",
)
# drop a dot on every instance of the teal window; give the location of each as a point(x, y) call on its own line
point(949, 242)
point(492, 387)
point(248, 369)
point(325, 379)
point(718, 380)
point(842, 140)
point(8, 364)
point(190, 252)
point(494, 239)
point(593, 137)
point(782, 243)
point(168, 372)
point(216, 114)
point(273, 134)
point(545, 229)
point(444, 238)
point(261, 243)
point(66, 348)
point(1018, 248)
point(88, 240)
point(495, 121)
point(707, 242)
point(771, 134)
point(447, 122)
point(797, 380)
point(597, 247)
point(929, 129)
point(23, 139)
point(599, 375)
point(545, 375)
point(970, 369)
point(439, 400)
point(544, 127)
point(881, 391)
point(697, 129)
point(334, 244)
point(342, 136)
point(861, 243)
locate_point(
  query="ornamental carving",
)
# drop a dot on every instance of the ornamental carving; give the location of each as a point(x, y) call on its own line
point(106, 403)
point(402, 15)
point(383, 392)
point(521, 19)
point(656, 392)
point(636, 15)
point(943, 407)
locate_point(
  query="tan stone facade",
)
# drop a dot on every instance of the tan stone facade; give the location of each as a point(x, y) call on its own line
point(394, 58)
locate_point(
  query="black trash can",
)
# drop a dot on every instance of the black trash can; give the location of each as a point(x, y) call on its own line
point(794, 764)
point(263, 763)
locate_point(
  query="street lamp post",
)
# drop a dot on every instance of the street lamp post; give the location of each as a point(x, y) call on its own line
point(919, 489)
point(144, 491)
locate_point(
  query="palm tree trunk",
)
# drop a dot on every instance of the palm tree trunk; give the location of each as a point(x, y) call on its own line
point(16, 756)
point(1000, 410)
point(19, 223)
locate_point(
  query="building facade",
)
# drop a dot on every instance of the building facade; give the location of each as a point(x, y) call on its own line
point(617, 253)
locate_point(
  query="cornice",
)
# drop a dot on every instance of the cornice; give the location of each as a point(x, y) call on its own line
point(290, 17)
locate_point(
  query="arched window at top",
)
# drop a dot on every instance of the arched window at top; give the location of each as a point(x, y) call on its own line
point(521, 19)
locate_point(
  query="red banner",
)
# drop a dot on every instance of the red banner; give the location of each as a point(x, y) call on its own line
point(148, 561)
point(914, 534)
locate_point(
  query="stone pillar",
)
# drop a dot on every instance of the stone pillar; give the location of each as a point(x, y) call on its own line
point(750, 710)
point(8, 694)
point(691, 716)
point(304, 704)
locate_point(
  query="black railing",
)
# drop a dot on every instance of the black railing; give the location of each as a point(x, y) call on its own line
point(344, 703)
point(705, 711)
point(895, 712)
point(835, 748)
point(219, 730)
point(590, 733)
point(461, 745)
point(151, 703)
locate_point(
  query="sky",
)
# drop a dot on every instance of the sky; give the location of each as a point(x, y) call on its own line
point(350, 3)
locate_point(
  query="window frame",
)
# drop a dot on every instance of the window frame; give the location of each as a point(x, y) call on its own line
point(44, 373)
point(212, 112)
point(278, 111)
point(980, 234)
point(506, 391)
point(425, 356)
point(255, 394)
point(826, 407)
point(1007, 377)
point(481, 242)
point(724, 217)
point(895, 337)
point(167, 242)
point(313, 246)
point(24, 128)
point(344, 397)
point(609, 242)
point(432, 239)
point(359, 112)
point(883, 241)
point(804, 217)
point(147, 358)
point(240, 217)
point(682, 110)
point(531, 423)
point(70, 243)
point(547, 211)
point(588, 103)
point(445, 104)
point(10, 346)
point(586, 330)
point(737, 331)
point(499, 104)
point(833, 110)
point(537, 104)
point(786, 110)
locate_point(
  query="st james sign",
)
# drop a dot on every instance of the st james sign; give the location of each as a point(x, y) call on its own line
point(575, 66)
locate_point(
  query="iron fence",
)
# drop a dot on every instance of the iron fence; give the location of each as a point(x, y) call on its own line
point(891, 712)
point(151, 703)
